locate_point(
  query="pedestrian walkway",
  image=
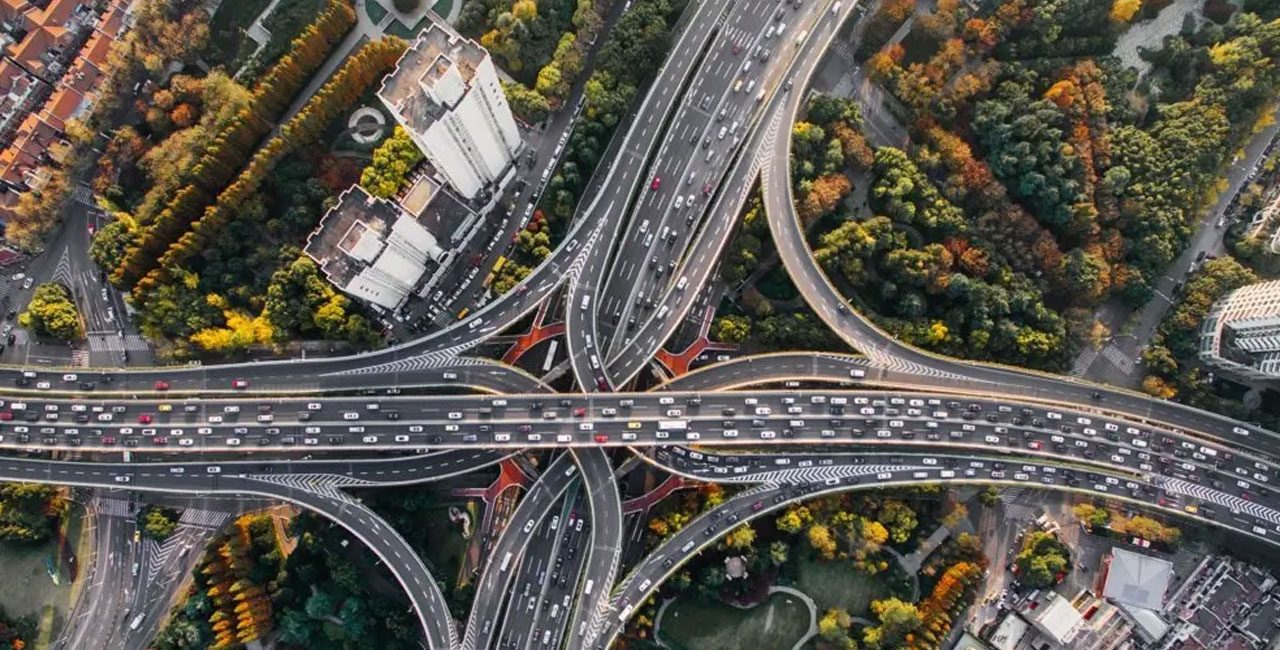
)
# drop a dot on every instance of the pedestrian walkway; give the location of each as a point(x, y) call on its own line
point(199, 518)
point(112, 507)
point(1119, 359)
point(113, 342)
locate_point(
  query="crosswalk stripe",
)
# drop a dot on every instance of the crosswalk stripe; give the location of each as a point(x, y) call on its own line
point(1118, 358)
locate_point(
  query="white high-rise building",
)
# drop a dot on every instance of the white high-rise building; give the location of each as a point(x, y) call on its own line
point(446, 93)
point(1242, 332)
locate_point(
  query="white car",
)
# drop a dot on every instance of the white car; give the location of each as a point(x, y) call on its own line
point(314, 406)
point(369, 439)
point(123, 479)
point(186, 442)
point(233, 442)
point(231, 409)
point(43, 385)
point(402, 438)
point(455, 415)
point(351, 415)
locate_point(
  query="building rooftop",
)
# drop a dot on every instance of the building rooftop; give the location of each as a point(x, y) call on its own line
point(431, 76)
point(1137, 580)
point(1057, 619)
point(1009, 633)
point(371, 248)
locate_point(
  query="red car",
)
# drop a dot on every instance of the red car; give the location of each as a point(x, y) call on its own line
point(240, 383)
point(601, 438)
point(162, 385)
point(654, 184)
point(108, 440)
point(144, 419)
point(706, 189)
point(579, 412)
point(6, 415)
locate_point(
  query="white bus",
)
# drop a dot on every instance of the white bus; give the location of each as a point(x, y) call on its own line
point(506, 562)
point(673, 425)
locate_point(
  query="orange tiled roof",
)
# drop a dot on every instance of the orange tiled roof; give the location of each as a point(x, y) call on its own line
point(61, 106)
point(96, 48)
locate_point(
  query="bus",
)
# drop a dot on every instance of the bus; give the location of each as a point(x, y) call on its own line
point(506, 562)
point(673, 425)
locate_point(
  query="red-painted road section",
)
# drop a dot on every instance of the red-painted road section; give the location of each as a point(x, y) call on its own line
point(537, 334)
point(678, 364)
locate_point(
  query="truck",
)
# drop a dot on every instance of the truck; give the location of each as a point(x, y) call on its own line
point(673, 425)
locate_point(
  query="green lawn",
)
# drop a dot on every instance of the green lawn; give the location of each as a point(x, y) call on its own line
point(226, 30)
point(836, 584)
point(27, 589)
point(375, 10)
point(690, 624)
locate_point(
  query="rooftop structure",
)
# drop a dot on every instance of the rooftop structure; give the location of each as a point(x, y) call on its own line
point(1056, 619)
point(446, 93)
point(1224, 604)
point(1137, 580)
point(1242, 332)
point(372, 249)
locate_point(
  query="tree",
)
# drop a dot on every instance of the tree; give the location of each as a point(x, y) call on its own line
point(29, 511)
point(157, 523)
point(1123, 10)
point(51, 312)
point(731, 329)
point(990, 496)
point(740, 538)
point(822, 541)
point(959, 512)
point(1091, 515)
point(1156, 386)
point(779, 552)
point(897, 618)
point(392, 162)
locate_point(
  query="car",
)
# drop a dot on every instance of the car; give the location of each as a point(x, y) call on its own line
point(654, 184)
point(123, 479)
point(164, 408)
point(70, 378)
point(240, 383)
point(144, 419)
point(601, 438)
point(580, 412)
point(43, 385)
point(161, 385)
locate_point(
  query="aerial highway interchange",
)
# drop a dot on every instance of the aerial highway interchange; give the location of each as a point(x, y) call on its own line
point(630, 269)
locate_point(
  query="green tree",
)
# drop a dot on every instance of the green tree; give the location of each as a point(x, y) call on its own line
point(51, 312)
point(731, 329)
point(392, 162)
point(157, 523)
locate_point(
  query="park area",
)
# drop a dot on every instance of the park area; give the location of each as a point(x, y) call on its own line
point(28, 591)
point(833, 584)
point(689, 624)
